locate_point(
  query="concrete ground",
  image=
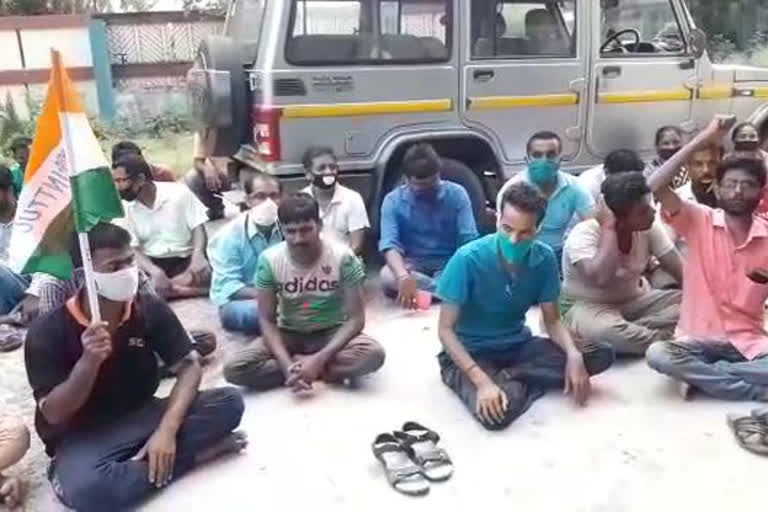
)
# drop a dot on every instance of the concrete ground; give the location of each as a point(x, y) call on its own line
point(636, 447)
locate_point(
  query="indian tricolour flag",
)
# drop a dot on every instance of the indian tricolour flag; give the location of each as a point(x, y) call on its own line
point(67, 185)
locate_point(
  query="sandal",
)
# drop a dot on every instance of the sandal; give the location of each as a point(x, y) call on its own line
point(403, 474)
point(10, 340)
point(204, 342)
point(751, 433)
point(422, 443)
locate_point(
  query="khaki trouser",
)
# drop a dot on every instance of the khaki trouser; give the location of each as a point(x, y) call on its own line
point(255, 367)
point(630, 327)
point(14, 441)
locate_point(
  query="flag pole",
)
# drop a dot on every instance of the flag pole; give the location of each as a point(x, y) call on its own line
point(85, 248)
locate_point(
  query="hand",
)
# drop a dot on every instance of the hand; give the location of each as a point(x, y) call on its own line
point(160, 452)
point(576, 378)
point(604, 215)
point(11, 491)
point(406, 291)
point(492, 403)
point(200, 269)
point(162, 285)
point(97, 343)
point(305, 371)
point(212, 175)
point(718, 127)
point(758, 275)
point(29, 308)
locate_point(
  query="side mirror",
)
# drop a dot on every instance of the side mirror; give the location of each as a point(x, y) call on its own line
point(697, 40)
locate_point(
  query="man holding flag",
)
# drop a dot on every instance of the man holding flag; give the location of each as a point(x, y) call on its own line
point(92, 362)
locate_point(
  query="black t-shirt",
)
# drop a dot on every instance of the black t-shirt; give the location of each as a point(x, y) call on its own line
point(127, 379)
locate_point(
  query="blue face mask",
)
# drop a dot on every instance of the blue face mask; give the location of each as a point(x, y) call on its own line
point(514, 252)
point(543, 171)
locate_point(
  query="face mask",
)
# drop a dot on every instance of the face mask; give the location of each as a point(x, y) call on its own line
point(325, 181)
point(264, 213)
point(667, 153)
point(746, 145)
point(513, 252)
point(120, 286)
point(543, 171)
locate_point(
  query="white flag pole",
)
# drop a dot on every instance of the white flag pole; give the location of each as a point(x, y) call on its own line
point(85, 248)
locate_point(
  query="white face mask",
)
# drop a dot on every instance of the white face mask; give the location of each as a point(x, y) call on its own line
point(264, 213)
point(120, 286)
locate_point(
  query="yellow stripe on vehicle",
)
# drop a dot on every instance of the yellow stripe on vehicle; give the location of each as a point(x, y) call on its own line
point(716, 92)
point(644, 96)
point(760, 92)
point(368, 108)
point(539, 100)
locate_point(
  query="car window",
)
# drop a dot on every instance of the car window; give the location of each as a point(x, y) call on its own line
point(369, 31)
point(514, 29)
point(244, 24)
point(642, 27)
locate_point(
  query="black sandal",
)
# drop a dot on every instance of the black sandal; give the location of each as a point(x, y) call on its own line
point(403, 474)
point(751, 433)
point(422, 443)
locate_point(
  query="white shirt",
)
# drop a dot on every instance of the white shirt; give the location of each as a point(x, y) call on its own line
point(344, 214)
point(591, 180)
point(165, 230)
point(628, 282)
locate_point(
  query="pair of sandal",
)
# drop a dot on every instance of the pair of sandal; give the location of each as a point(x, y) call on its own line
point(751, 431)
point(412, 459)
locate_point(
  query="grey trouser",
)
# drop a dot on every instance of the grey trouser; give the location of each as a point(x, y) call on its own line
point(630, 327)
point(255, 367)
point(715, 368)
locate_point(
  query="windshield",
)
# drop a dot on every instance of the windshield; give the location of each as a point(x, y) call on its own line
point(244, 25)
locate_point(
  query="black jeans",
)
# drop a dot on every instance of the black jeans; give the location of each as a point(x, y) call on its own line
point(524, 373)
point(195, 180)
point(93, 470)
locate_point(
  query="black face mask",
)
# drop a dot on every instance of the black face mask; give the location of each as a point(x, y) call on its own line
point(320, 181)
point(746, 145)
point(667, 153)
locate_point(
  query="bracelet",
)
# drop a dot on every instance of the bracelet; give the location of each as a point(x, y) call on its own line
point(471, 367)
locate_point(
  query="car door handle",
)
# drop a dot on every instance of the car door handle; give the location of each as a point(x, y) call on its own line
point(612, 71)
point(687, 64)
point(483, 75)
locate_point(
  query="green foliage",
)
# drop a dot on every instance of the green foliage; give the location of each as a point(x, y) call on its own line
point(12, 125)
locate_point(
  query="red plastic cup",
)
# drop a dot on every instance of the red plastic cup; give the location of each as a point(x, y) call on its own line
point(423, 299)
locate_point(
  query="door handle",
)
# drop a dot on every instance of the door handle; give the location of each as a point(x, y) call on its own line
point(688, 64)
point(612, 71)
point(483, 75)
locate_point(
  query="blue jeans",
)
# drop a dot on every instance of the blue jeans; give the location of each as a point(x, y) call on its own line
point(240, 316)
point(93, 470)
point(12, 289)
point(717, 369)
point(426, 274)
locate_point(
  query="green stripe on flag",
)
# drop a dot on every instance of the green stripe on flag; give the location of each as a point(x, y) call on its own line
point(52, 255)
point(94, 198)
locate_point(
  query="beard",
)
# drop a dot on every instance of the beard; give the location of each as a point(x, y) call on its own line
point(739, 207)
point(129, 195)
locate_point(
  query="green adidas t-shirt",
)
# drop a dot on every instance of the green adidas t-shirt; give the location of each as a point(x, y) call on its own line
point(309, 298)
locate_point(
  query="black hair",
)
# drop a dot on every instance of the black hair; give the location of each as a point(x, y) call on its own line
point(313, 152)
point(421, 161)
point(20, 143)
point(621, 191)
point(741, 126)
point(6, 179)
point(755, 167)
point(664, 129)
point(254, 175)
point(125, 148)
point(299, 207)
point(544, 135)
point(134, 166)
point(623, 160)
point(525, 197)
point(105, 235)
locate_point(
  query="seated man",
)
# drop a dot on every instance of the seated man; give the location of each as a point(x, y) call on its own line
point(18, 293)
point(311, 310)
point(491, 360)
point(702, 168)
point(720, 346)
point(566, 199)
point(208, 178)
point(14, 443)
point(342, 210)
point(20, 148)
point(126, 148)
point(423, 222)
point(112, 443)
point(620, 160)
point(605, 295)
point(235, 250)
point(167, 225)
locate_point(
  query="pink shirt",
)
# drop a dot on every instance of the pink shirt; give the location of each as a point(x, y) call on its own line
point(720, 303)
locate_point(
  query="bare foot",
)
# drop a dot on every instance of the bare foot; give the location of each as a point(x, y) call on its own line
point(11, 491)
point(685, 390)
point(233, 443)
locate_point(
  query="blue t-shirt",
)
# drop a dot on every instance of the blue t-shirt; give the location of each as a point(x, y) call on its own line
point(492, 302)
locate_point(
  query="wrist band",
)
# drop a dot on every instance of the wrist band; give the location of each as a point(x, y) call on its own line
point(471, 367)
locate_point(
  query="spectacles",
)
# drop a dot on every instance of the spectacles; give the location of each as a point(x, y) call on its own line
point(729, 184)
